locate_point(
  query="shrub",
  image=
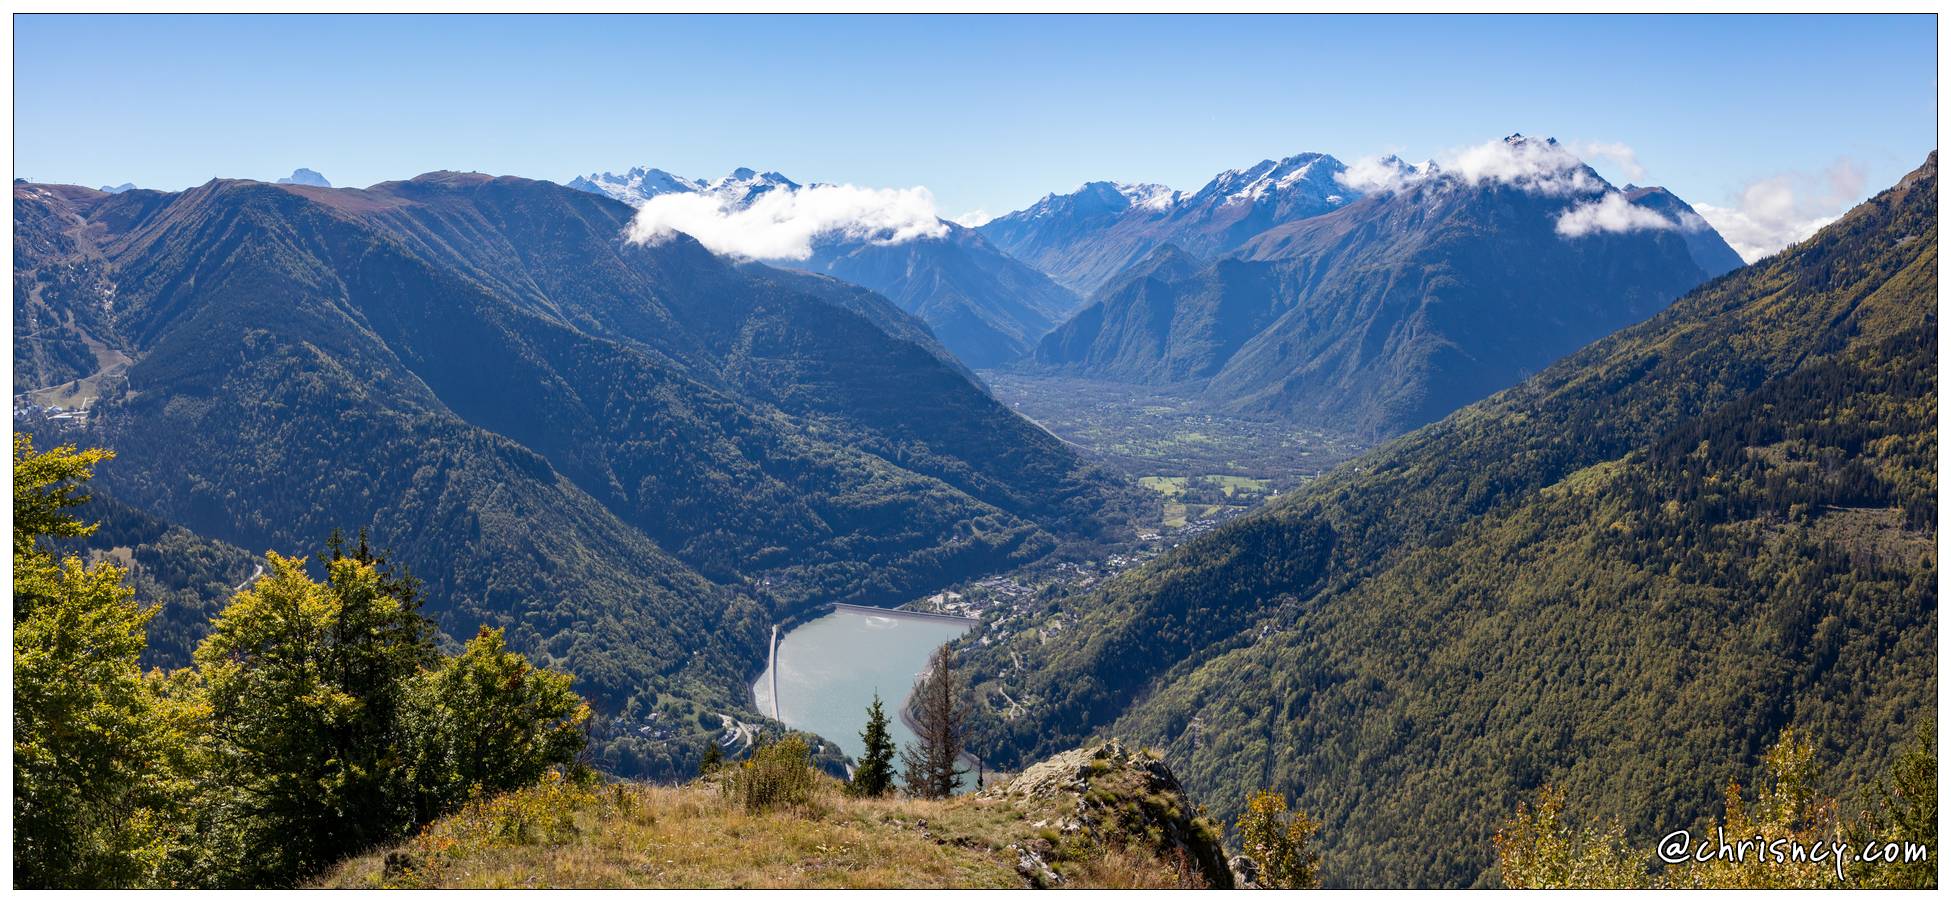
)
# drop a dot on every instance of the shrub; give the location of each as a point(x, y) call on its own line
point(1278, 842)
point(775, 776)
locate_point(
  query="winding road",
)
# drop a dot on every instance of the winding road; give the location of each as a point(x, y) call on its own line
point(249, 580)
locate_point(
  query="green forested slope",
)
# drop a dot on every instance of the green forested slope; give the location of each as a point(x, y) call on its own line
point(186, 577)
point(633, 457)
point(1619, 575)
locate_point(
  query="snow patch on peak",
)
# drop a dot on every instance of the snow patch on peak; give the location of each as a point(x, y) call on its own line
point(744, 186)
point(634, 187)
point(1147, 195)
point(1310, 173)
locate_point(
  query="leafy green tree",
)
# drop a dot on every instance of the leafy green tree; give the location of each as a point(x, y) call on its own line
point(488, 721)
point(318, 722)
point(1786, 806)
point(1536, 849)
point(1279, 842)
point(305, 682)
point(1902, 811)
point(875, 774)
point(46, 485)
point(91, 767)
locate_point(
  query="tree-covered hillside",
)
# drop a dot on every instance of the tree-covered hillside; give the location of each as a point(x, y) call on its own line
point(1617, 576)
point(632, 457)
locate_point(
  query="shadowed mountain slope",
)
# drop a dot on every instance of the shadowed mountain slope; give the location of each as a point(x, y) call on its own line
point(1398, 307)
point(635, 457)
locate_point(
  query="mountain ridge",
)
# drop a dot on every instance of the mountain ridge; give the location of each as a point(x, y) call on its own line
point(1527, 590)
point(1403, 303)
point(1086, 238)
point(983, 305)
point(633, 457)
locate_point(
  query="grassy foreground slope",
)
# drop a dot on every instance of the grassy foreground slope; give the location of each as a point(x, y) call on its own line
point(1617, 577)
point(1099, 817)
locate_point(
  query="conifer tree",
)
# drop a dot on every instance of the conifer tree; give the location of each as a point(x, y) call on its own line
point(875, 774)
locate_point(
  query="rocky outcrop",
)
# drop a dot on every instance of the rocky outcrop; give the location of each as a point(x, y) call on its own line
point(1109, 796)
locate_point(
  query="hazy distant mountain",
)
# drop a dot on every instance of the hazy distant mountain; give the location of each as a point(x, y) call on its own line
point(985, 306)
point(635, 457)
point(303, 176)
point(118, 189)
point(1402, 304)
point(1085, 238)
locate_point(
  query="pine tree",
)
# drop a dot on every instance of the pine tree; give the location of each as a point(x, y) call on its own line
point(713, 758)
point(931, 767)
point(875, 774)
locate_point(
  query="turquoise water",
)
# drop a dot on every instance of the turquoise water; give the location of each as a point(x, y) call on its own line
point(831, 667)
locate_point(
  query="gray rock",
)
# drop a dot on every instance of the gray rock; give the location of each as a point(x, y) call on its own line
point(1246, 872)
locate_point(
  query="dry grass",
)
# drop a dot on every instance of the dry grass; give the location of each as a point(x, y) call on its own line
point(1123, 868)
point(643, 836)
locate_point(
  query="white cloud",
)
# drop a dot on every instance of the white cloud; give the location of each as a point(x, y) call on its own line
point(783, 224)
point(1773, 213)
point(974, 218)
point(1387, 173)
point(1530, 164)
point(1618, 153)
point(1610, 213)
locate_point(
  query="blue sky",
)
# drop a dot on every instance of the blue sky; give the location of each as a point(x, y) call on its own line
point(988, 113)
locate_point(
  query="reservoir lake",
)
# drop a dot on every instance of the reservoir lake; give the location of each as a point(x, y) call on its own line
point(830, 668)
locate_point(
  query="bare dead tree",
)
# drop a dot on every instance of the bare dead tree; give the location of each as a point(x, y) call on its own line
point(931, 766)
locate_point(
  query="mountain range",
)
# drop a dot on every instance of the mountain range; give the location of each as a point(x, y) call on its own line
point(1631, 568)
point(984, 305)
point(1085, 239)
point(633, 456)
point(1384, 306)
point(1636, 507)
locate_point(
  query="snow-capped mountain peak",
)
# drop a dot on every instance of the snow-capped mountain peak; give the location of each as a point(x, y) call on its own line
point(738, 189)
point(636, 186)
point(1312, 174)
point(303, 176)
point(744, 185)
